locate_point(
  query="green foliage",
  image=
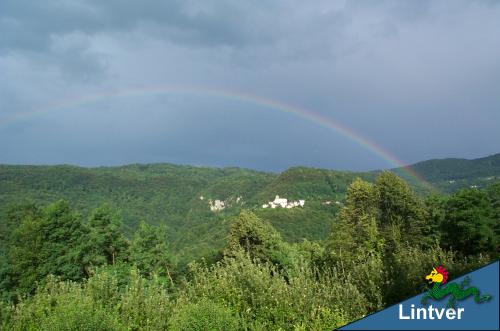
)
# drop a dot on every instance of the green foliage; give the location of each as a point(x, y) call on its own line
point(204, 315)
point(97, 304)
point(62, 306)
point(390, 234)
point(162, 194)
point(311, 222)
point(108, 244)
point(376, 216)
point(469, 226)
point(360, 214)
point(60, 273)
point(309, 183)
point(50, 241)
point(17, 236)
point(436, 214)
point(399, 206)
point(493, 192)
point(450, 175)
point(149, 251)
point(166, 194)
point(405, 268)
point(267, 300)
point(62, 234)
point(146, 304)
point(259, 240)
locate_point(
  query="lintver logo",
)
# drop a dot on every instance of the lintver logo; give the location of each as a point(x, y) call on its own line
point(439, 276)
point(455, 292)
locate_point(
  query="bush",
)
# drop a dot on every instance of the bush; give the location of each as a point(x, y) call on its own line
point(146, 303)
point(266, 299)
point(97, 304)
point(63, 306)
point(80, 316)
point(204, 316)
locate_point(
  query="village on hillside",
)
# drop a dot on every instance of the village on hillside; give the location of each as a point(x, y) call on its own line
point(283, 203)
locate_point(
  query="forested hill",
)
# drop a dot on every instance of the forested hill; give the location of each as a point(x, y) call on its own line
point(180, 196)
point(451, 174)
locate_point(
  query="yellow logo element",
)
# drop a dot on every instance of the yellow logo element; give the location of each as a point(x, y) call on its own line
point(437, 275)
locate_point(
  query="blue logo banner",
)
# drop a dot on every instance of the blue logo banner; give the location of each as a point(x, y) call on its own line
point(436, 315)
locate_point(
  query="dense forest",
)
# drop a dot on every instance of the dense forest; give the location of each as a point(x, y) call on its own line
point(166, 194)
point(81, 263)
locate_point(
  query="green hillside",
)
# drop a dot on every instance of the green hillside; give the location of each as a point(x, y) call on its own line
point(311, 183)
point(159, 193)
point(172, 195)
point(451, 174)
point(369, 241)
point(178, 196)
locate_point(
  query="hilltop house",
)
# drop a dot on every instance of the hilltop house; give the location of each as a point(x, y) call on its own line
point(217, 205)
point(283, 203)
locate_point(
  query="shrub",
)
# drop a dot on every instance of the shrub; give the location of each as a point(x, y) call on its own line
point(204, 315)
point(265, 299)
point(63, 306)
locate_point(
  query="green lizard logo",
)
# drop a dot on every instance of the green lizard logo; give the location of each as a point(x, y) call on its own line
point(439, 276)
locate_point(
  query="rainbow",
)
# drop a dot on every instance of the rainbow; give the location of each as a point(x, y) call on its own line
point(307, 115)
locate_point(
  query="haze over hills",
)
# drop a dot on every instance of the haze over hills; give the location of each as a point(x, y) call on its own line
point(181, 196)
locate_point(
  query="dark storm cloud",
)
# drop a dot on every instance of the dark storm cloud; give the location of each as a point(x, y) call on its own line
point(421, 78)
point(44, 27)
point(29, 25)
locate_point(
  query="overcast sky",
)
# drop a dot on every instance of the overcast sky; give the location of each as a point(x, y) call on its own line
point(419, 79)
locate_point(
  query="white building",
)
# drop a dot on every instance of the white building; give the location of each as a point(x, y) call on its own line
point(217, 205)
point(280, 201)
point(283, 203)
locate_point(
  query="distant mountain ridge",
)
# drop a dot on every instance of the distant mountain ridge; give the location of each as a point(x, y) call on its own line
point(451, 174)
point(179, 196)
point(448, 168)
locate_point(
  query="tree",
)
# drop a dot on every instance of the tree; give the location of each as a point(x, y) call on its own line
point(64, 237)
point(469, 224)
point(149, 250)
point(493, 192)
point(23, 253)
point(107, 245)
point(14, 217)
point(48, 241)
point(435, 206)
point(398, 206)
point(258, 239)
point(355, 230)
